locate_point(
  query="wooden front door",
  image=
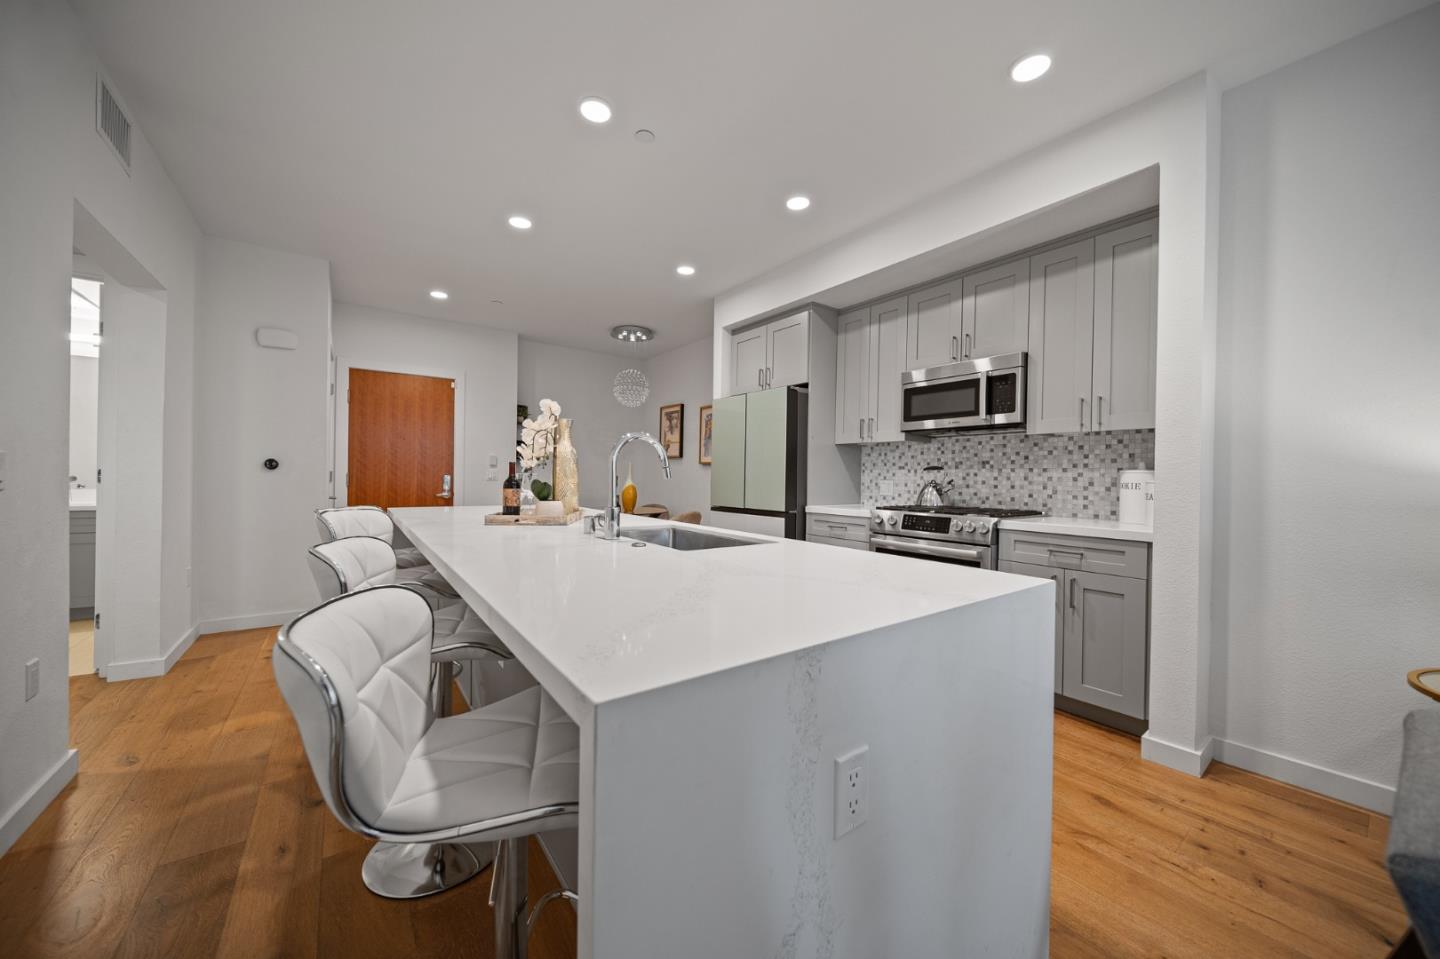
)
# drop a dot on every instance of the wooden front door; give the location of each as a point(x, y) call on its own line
point(402, 439)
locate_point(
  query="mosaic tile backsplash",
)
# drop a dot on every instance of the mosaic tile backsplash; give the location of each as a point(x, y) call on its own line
point(1071, 475)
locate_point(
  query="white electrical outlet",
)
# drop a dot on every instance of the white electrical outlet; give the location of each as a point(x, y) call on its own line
point(852, 790)
point(32, 679)
point(887, 490)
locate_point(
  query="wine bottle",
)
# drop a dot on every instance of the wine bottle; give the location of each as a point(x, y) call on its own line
point(510, 494)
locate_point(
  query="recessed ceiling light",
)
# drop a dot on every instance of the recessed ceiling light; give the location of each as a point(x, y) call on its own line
point(595, 110)
point(1030, 68)
point(685, 269)
point(520, 222)
point(798, 203)
point(439, 295)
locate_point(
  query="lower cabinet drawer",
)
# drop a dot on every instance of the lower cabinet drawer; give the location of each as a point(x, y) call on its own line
point(1112, 557)
point(831, 541)
point(854, 528)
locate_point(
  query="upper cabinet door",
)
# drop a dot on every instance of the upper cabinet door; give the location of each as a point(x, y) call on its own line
point(995, 311)
point(1125, 313)
point(852, 379)
point(747, 360)
point(788, 349)
point(727, 452)
point(1105, 642)
point(888, 323)
point(933, 327)
point(1062, 323)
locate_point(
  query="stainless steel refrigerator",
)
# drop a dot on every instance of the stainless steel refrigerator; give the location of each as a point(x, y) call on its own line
point(757, 472)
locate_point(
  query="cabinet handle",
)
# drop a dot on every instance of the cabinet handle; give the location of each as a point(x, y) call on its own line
point(872, 427)
point(1072, 592)
point(760, 379)
point(954, 347)
point(1082, 414)
point(862, 429)
point(967, 344)
point(1099, 412)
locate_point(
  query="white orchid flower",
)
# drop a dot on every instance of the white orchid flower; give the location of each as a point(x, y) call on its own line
point(550, 408)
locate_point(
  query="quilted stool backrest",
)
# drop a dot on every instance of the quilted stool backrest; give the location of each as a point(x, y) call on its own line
point(338, 522)
point(355, 672)
point(355, 562)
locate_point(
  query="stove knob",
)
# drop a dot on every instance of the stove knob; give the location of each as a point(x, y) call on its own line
point(890, 520)
point(969, 527)
point(982, 528)
point(877, 520)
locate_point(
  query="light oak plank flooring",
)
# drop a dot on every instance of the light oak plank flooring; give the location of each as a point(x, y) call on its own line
point(195, 829)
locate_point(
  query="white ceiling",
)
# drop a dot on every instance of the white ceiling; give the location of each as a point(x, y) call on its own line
point(395, 138)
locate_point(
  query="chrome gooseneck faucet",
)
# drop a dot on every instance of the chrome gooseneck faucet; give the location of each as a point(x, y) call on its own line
point(609, 528)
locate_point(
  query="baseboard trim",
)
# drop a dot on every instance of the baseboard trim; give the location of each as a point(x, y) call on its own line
point(1373, 796)
point(1193, 762)
point(253, 621)
point(29, 808)
point(150, 668)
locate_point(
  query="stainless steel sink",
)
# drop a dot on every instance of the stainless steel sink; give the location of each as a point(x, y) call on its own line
point(680, 537)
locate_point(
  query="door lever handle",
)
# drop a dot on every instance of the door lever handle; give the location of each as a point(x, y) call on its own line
point(444, 487)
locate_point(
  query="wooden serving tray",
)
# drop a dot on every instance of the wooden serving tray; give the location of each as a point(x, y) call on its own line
point(499, 519)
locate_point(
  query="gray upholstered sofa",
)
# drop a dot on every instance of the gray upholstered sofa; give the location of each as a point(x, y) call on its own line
point(1413, 856)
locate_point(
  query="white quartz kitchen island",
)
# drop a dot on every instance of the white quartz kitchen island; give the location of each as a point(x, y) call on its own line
point(714, 690)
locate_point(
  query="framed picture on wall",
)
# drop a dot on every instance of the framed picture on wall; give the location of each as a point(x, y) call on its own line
point(672, 429)
point(707, 417)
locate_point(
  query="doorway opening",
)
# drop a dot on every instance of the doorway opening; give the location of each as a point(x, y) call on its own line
point(85, 341)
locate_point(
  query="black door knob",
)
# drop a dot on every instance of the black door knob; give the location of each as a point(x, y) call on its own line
point(272, 464)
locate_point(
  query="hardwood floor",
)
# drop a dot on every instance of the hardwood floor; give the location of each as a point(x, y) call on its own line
point(195, 829)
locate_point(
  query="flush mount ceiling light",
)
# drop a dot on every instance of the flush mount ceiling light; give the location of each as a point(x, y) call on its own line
point(1030, 68)
point(595, 110)
point(797, 203)
point(520, 222)
point(439, 295)
point(631, 389)
point(684, 269)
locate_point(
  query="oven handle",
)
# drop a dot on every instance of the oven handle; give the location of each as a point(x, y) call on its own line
point(927, 549)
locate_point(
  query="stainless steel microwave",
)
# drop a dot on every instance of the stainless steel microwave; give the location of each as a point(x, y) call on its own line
point(982, 393)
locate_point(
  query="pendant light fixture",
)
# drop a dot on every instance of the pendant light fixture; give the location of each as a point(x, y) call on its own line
point(632, 389)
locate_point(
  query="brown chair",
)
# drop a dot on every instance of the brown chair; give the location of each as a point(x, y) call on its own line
point(653, 510)
point(691, 517)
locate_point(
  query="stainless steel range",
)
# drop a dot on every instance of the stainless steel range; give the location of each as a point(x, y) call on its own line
point(966, 535)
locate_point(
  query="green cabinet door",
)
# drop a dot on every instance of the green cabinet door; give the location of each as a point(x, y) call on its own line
point(765, 439)
point(727, 452)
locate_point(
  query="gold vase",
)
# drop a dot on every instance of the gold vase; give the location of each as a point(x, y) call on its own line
point(628, 493)
point(567, 470)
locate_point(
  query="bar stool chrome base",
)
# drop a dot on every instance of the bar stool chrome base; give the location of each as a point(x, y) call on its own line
point(415, 870)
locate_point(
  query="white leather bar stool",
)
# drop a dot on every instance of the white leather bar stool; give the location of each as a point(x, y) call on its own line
point(354, 672)
point(338, 522)
point(414, 870)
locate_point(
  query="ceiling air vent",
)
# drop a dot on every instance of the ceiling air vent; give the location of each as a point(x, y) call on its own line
point(113, 124)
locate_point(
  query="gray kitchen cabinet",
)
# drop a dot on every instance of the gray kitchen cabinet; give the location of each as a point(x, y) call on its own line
point(1105, 657)
point(870, 356)
point(747, 360)
point(1125, 324)
point(1056, 576)
point(855, 530)
point(1102, 619)
point(82, 559)
point(1062, 323)
point(852, 375)
point(995, 310)
point(772, 355)
point(933, 325)
point(727, 451)
point(787, 351)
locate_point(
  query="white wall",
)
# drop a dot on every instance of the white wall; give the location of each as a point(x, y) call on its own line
point(484, 358)
point(1174, 130)
point(84, 417)
point(253, 525)
point(581, 381)
point(1328, 452)
point(50, 158)
point(681, 375)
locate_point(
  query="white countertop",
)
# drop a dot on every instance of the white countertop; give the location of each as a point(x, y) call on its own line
point(604, 620)
point(1097, 528)
point(82, 499)
point(845, 509)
